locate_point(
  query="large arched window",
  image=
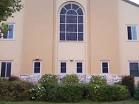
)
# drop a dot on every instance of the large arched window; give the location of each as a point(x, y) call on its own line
point(71, 22)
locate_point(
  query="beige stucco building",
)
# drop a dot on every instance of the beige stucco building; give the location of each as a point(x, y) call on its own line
point(72, 37)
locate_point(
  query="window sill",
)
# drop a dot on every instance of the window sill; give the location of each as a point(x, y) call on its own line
point(66, 41)
point(7, 39)
point(132, 41)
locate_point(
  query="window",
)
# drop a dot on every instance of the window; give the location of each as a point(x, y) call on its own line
point(63, 67)
point(37, 67)
point(9, 34)
point(71, 23)
point(134, 69)
point(105, 67)
point(6, 68)
point(79, 67)
point(132, 32)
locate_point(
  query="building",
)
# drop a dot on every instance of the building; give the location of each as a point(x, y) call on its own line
point(82, 37)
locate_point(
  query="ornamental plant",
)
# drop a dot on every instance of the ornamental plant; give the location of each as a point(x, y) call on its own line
point(4, 29)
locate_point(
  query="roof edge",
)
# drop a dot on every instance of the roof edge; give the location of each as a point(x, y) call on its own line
point(131, 2)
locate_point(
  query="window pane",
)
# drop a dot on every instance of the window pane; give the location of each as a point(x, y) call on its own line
point(71, 19)
point(36, 64)
point(80, 19)
point(129, 33)
point(36, 70)
point(63, 67)
point(134, 32)
point(80, 12)
point(71, 28)
point(134, 69)
point(62, 36)
point(62, 27)
point(71, 36)
point(3, 68)
point(80, 36)
point(105, 64)
point(71, 12)
point(104, 67)
point(62, 18)
point(79, 67)
point(80, 27)
point(68, 6)
point(75, 7)
point(10, 31)
point(8, 74)
point(63, 11)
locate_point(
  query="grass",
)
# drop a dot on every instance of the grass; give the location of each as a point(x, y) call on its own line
point(83, 102)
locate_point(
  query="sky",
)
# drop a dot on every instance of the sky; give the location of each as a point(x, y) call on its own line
point(136, 1)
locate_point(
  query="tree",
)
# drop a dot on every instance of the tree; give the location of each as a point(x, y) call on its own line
point(8, 7)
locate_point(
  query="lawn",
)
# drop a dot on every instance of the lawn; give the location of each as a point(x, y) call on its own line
point(84, 102)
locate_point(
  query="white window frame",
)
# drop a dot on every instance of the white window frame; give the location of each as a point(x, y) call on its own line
point(132, 61)
point(131, 25)
point(6, 61)
point(60, 67)
point(4, 39)
point(105, 61)
point(40, 67)
point(84, 24)
point(83, 67)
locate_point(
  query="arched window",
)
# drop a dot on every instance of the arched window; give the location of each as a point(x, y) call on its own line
point(71, 22)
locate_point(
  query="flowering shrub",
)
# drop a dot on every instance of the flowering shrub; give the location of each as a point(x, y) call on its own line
point(38, 93)
point(98, 80)
point(70, 80)
point(106, 92)
point(48, 80)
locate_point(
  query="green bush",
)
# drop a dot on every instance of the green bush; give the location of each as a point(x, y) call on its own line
point(48, 80)
point(136, 95)
point(70, 80)
point(14, 90)
point(129, 82)
point(98, 80)
point(96, 92)
point(38, 93)
point(4, 89)
point(65, 93)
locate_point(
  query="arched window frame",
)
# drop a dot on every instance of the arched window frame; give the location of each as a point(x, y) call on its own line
point(73, 30)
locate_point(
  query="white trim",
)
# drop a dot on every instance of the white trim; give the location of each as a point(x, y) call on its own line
point(132, 61)
point(59, 67)
point(105, 61)
point(84, 21)
point(83, 67)
point(6, 61)
point(40, 67)
point(137, 28)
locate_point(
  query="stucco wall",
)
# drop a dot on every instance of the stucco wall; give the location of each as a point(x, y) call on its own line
point(37, 37)
point(129, 51)
point(104, 35)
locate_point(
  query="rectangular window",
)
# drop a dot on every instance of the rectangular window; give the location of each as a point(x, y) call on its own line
point(134, 69)
point(132, 32)
point(37, 67)
point(79, 67)
point(6, 68)
point(63, 67)
point(105, 67)
point(9, 34)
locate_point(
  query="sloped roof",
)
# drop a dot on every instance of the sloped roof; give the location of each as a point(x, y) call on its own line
point(132, 3)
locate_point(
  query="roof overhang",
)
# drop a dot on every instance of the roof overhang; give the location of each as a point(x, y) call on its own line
point(132, 3)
